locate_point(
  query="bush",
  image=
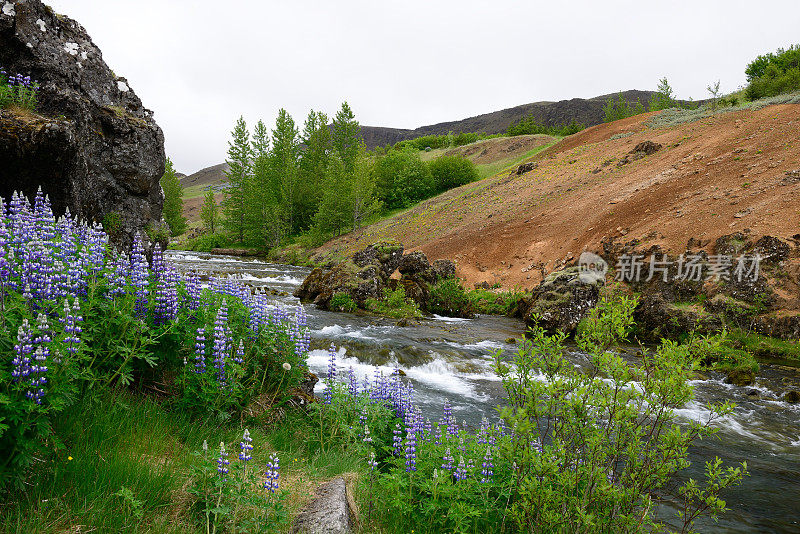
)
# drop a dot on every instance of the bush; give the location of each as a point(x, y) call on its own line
point(342, 302)
point(449, 298)
point(403, 179)
point(208, 242)
point(395, 304)
point(618, 108)
point(530, 125)
point(577, 449)
point(773, 73)
point(452, 171)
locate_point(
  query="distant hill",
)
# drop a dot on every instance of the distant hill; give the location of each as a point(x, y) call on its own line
point(209, 176)
point(586, 110)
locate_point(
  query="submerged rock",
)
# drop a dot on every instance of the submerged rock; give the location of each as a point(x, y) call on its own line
point(90, 144)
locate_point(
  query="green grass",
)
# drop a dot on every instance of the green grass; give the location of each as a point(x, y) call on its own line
point(121, 441)
point(764, 347)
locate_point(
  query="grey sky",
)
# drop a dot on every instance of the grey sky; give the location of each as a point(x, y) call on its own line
point(200, 64)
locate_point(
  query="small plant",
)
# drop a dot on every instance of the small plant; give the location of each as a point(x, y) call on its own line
point(230, 495)
point(342, 302)
point(395, 304)
point(112, 223)
point(448, 297)
point(618, 108)
point(714, 91)
point(18, 90)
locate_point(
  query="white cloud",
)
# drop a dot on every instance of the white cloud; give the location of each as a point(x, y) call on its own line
point(200, 64)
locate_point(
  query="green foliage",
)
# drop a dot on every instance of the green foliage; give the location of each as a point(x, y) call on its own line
point(403, 179)
point(234, 204)
point(342, 302)
point(209, 213)
point(773, 73)
point(112, 223)
point(208, 242)
point(346, 136)
point(313, 167)
point(14, 92)
point(452, 171)
point(609, 447)
point(234, 501)
point(496, 302)
point(443, 141)
point(618, 108)
point(663, 98)
point(395, 304)
point(531, 125)
point(449, 298)
point(173, 200)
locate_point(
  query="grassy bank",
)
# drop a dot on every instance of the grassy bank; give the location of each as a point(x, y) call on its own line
point(130, 463)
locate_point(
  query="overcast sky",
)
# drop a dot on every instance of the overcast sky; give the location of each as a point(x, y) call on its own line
point(200, 64)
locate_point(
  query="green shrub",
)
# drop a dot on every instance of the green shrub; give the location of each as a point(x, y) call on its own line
point(395, 304)
point(448, 297)
point(529, 125)
point(618, 108)
point(452, 171)
point(342, 302)
point(403, 179)
point(773, 74)
point(208, 242)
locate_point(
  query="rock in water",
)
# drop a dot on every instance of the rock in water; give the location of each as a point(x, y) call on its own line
point(90, 144)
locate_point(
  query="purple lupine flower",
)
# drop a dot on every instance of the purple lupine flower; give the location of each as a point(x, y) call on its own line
point(220, 350)
point(222, 461)
point(449, 420)
point(352, 382)
point(487, 467)
point(397, 440)
point(22, 350)
point(367, 437)
point(447, 460)
point(329, 381)
point(246, 446)
point(193, 289)
point(461, 470)
point(411, 450)
point(140, 276)
point(200, 351)
point(372, 463)
point(239, 353)
point(71, 329)
point(272, 474)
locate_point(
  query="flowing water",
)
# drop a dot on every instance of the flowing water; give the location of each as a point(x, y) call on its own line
point(451, 360)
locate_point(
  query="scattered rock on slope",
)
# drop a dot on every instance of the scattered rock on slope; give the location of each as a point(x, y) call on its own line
point(91, 144)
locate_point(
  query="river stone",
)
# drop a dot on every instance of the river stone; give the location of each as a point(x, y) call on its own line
point(560, 301)
point(792, 396)
point(91, 144)
point(328, 513)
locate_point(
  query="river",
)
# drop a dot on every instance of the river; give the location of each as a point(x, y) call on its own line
point(450, 359)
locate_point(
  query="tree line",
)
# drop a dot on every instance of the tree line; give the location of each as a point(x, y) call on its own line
point(320, 182)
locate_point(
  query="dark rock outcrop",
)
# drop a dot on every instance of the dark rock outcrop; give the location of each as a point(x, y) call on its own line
point(643, 149)
point(90, 145)
point(560, 301)
point(368, 273)
point(364, 276)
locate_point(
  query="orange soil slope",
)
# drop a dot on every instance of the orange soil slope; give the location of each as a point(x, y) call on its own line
point(712, 177)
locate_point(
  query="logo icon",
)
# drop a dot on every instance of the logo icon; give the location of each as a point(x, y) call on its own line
point(591, 268)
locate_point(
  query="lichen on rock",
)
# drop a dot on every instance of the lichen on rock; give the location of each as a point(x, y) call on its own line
point(87, 159)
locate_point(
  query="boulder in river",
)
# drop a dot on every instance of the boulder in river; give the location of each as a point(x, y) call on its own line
point(90, 143)
point(561, 300)
point(367, 274)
